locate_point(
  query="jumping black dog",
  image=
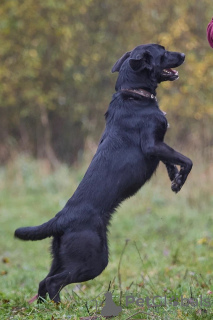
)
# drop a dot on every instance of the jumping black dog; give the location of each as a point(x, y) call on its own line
point(129, 152)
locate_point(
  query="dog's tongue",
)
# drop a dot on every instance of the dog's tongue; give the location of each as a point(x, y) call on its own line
point(172, 71)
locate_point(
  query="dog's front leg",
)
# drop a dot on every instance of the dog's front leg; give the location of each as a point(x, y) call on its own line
point(168, 155)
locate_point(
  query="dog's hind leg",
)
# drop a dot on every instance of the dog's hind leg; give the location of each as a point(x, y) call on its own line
point(83, 256)
point(56, 283)
point(55, 268)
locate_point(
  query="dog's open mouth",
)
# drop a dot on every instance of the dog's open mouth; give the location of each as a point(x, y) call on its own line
point(169, 74)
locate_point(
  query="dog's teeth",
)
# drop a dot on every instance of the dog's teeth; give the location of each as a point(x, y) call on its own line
point(170, 72)
point(166, 71)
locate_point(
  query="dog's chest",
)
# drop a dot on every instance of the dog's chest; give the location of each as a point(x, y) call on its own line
point(160, 124)
point(151, 124)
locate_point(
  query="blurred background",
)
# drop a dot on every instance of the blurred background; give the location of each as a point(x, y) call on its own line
point(56, 83)
point(55, 86)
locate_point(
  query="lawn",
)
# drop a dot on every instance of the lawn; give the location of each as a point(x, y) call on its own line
point(161, 244)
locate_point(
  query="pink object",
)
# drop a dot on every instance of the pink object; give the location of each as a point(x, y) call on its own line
point(33, 299)
point(210, 33)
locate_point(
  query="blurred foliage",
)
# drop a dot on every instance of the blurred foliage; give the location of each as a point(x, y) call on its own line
point(56, 56)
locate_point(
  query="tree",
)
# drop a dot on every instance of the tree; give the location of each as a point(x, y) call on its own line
point(55, 82)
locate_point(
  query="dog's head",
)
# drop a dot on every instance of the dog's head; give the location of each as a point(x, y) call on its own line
point(146, 66)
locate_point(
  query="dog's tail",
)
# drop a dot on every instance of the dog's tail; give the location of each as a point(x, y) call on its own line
point(48, 229)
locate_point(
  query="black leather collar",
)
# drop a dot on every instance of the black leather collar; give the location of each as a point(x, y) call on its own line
point(141, 92)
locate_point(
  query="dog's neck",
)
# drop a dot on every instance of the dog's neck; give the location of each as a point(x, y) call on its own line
point(142, 93)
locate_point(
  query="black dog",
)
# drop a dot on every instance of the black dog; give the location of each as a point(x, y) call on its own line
point(127, 156)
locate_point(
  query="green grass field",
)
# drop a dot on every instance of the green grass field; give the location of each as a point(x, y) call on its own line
point(161, 244)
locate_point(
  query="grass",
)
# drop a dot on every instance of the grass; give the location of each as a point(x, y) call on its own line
point(161, 244)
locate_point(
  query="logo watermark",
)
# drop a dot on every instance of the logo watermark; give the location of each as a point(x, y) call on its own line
point(110, 308)
point(154, 304)
point(158, 301)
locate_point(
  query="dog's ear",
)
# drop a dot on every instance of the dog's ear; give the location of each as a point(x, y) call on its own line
point(142, 61)
point(119, 63)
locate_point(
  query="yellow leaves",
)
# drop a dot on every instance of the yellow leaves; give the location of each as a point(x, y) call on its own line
point(205, 241)
point(167, 270)
point(165, 39)
point(179, 314)
point(82, 10)
point(202, 241)
point(78, 77)
point(51, 46)
point(179, 27)
point(5, 260)
point(201, 69)
point(96, 56)
point(192, 44)
point(196, 75)
point(3, 273)
point(33, 53)
point(65, 31)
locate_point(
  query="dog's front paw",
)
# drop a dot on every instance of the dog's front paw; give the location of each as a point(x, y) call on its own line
point(177, 183)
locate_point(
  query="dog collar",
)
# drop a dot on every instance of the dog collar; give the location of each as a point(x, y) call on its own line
point(142, 92)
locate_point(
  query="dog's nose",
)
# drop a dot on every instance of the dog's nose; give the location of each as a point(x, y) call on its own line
point(182, 56)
